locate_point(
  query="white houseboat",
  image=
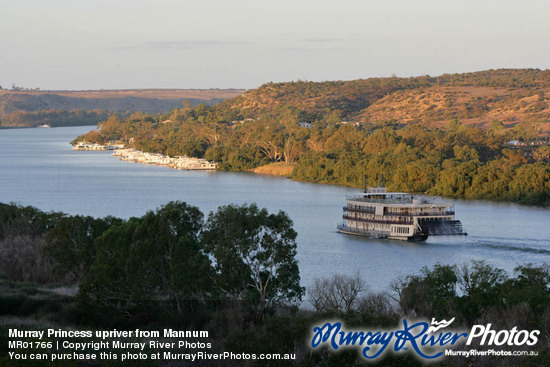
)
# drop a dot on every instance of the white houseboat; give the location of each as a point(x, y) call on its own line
point(185, 163)
point(397, 215)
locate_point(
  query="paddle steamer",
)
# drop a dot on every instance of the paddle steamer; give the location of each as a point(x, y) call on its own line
point(397, 215)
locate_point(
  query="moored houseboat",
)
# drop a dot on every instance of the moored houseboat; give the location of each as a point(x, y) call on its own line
point(179, 162)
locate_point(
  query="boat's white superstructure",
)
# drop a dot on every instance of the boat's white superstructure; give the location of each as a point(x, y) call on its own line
point(397, 215)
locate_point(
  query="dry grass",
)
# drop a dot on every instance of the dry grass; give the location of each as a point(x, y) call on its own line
point(477, 106)
point(274, 169)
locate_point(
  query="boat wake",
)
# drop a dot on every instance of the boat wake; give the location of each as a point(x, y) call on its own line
point(516, 248)
point(529, 245)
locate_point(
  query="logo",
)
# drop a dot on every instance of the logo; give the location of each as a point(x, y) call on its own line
point(427, 341)
point(503, 337)
point(439, 325)
point(418, 337)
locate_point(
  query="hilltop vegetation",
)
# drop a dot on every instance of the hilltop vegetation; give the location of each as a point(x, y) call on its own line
point(68, 108)
point(439, 135)
point(508, 96)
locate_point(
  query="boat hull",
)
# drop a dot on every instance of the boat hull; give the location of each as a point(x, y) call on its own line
point(415, 238)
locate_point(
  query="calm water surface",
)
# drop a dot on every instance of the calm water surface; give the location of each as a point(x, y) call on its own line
point(38, 167)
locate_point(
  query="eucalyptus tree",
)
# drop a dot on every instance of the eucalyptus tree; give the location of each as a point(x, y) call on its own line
point(151, 263)
point(254, 254)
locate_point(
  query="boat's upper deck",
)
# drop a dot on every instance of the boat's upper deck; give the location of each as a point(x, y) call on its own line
point(390, 197)
point(378, 195)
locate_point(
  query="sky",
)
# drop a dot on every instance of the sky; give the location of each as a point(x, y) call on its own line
point(126, 44)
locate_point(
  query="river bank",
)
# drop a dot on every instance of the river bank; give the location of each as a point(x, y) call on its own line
point(40, 169)
point(279, 169)
point(282, 169)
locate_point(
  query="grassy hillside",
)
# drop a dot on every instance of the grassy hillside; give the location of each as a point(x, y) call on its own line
point(507, 96)
point(472, 105)
point(348, 97)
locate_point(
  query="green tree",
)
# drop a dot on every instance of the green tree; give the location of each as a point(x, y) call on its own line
point(382, 140)
point(254, 254)
point(481, 287)
point(150, 263)
point(531, 286)
point(105, 287)
point(432, 294)
point(542, 153)
point(166, 257)
point(71, 243)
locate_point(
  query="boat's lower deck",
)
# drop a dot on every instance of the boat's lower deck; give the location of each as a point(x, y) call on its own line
point(374, 234)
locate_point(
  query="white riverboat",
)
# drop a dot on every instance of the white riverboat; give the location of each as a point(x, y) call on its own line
point(397, 215)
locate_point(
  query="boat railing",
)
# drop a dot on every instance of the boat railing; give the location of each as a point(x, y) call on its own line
point(397, 214)
point(425, 214)
point(357, 208)
point(407, 200)
point(404, 222)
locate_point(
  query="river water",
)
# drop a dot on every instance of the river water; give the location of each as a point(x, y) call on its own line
point(38, 168)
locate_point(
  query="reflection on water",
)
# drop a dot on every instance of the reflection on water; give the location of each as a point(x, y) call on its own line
point(39, 168)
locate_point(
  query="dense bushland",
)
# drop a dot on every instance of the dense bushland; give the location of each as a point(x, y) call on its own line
point(329, 134)
point(236, 276)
